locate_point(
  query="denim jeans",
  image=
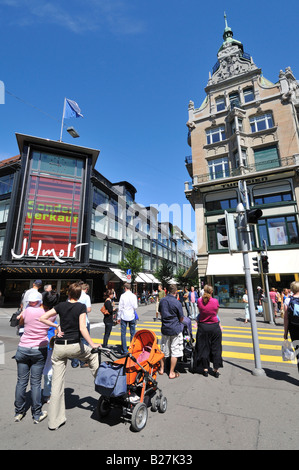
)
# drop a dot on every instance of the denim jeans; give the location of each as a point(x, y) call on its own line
point(193, 310)
point(30, 364)
point(123, 330)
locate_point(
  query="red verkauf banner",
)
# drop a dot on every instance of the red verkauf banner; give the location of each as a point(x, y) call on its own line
point(52, 218)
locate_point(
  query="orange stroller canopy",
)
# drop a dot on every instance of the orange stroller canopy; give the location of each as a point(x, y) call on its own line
point(144, 347)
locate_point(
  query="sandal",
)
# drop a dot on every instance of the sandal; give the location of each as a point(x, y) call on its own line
point(176, 374)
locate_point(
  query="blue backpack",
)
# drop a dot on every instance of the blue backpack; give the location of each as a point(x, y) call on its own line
point(293, 311)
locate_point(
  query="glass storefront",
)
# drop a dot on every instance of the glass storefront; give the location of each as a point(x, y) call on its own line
point(229, 291)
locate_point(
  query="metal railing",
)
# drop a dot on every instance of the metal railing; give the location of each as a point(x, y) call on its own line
point(243, 171)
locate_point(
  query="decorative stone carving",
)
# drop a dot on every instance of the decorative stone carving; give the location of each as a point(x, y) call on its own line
point(231, 63)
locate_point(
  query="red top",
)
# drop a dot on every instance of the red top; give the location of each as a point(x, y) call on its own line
point(208, 312)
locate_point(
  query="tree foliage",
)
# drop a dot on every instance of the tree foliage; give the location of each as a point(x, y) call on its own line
point(164, 272)
point(133, 260)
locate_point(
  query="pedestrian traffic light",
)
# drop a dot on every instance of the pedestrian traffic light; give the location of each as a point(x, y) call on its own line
point(221, 229)
point(265, 263)
point(256, 264)
point(226, 228)
point(253, 215)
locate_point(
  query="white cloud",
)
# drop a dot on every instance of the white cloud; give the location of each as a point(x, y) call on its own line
point(78, 16)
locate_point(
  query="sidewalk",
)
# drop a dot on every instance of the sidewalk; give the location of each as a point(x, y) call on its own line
point(236, 411)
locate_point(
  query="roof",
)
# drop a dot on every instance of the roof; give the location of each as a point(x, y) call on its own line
point(56, 145)
point(10, 160)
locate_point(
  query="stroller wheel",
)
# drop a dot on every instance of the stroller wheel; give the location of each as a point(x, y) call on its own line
point(139, 417)
point(103, 407)
point(155, 403)
point(163, 404)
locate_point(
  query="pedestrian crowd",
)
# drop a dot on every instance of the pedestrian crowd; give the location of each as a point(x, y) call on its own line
point(46, 346)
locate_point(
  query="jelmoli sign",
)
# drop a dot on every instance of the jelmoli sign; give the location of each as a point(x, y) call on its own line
point(69, 252)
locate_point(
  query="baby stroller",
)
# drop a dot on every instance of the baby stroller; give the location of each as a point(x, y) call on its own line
point(129, 382)
point(189, 344)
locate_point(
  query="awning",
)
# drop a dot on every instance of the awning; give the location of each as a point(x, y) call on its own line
point(119, 274)
point(139, 279)
point(145, 278)
point(280, 262)
point(152, 279)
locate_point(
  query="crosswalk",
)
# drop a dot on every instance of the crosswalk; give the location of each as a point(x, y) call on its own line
point(236, 341)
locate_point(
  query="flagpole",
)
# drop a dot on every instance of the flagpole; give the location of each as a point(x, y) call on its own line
point(62, 120)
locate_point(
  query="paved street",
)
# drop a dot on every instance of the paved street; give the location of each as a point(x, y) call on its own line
point(236, 411)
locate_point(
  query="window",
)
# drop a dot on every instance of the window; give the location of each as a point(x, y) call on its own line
point(99, 223)
point(6, 184)
point(100, 198)
point(234, 100)
point(220, 103)
point(215, 135)
point(262, 122)
point(58, 165)
point(240, 161)
point(4, 209)
point(273, 198)
point(114, 253)
point(266, 157)
point(98, 249)
point(240, 125)
point(248, 94)
point(2, 234)
point(218, 168)
point(221, 205)
point(278, 230)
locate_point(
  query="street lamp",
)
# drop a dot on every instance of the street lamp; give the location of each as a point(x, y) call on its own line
point(72, 132)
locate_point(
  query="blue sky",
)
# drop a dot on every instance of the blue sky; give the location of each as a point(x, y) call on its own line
point(132, 66)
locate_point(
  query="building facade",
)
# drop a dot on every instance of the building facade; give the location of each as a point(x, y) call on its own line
point(61, 220)
point(245, 130)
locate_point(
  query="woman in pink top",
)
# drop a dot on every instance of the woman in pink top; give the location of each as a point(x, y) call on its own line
point(209, 333)
point(31, 357)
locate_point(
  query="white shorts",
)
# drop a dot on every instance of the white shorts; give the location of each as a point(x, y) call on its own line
point(172, 345)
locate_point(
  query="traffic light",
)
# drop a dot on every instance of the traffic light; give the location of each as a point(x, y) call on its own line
point(256, 264)
point(265, 263)
point(253, 215)
point(226, 228)
point(221, 229)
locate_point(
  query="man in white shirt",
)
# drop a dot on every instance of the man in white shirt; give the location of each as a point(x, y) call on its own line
point(126, 315)
point(84, 299)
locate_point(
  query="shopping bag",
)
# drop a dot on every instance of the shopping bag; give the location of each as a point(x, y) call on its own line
point(287, 351)
point(13, 319)
point(111, 380)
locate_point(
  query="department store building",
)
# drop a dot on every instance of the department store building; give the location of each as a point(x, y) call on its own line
point(61, 220)
point(246, 129)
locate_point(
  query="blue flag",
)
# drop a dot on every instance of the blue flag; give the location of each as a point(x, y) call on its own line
point(71, 109)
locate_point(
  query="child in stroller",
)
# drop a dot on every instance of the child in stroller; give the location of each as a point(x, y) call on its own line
point(130, 381)
point(188, 342)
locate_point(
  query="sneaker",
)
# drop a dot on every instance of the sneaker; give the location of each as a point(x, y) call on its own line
point(43, 416)
point(19, 417)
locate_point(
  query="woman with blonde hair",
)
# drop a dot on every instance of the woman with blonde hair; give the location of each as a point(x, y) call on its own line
point(209, 333)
